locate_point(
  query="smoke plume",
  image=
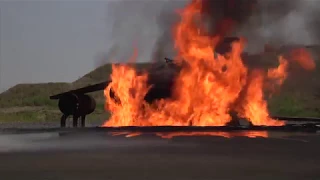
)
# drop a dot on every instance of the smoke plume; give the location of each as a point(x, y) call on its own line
point(146, 25)
point(282, 22)
point(142, 25)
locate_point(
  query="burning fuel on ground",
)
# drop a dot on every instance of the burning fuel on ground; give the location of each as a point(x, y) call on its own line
point(209, 86)
point(169, 135)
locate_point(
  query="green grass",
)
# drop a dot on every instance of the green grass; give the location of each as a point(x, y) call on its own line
point(29, 116)
point(290, 105)
point(31, 103)
point(44, 114)
point(31, 94)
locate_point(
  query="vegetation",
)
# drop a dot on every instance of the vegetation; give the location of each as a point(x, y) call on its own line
point(30, 102)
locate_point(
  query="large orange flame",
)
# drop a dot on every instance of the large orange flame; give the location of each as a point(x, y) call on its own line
point(206, 90)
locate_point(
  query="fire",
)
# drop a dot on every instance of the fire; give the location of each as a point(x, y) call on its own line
point(132, 89)
point(207, 89)
point(169, 135)
point(250, 134)
point(253, 106)
point(279, 74)
point(303, 57)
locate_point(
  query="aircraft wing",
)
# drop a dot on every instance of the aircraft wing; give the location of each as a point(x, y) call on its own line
point(84, 90)
point(163, 75)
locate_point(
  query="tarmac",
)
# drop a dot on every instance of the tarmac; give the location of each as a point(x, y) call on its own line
point(100, 155)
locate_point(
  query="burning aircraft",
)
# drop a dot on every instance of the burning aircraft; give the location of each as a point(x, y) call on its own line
point(208, 83)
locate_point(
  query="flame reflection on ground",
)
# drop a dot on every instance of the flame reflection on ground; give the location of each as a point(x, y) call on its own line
point(169, 135)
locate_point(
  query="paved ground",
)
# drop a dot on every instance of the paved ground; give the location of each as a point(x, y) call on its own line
point(92, 156)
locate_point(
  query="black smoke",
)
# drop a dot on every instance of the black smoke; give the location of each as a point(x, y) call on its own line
point(147, 24)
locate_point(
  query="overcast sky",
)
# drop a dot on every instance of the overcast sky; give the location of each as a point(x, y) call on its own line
point(50, 41)
point(55, 40)
point(61, 40)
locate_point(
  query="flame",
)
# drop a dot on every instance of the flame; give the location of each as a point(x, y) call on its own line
point(280, 73)
point(206, 90)
point(303, 58)
point(169, 135)
point(125, 83)
point(250, 134)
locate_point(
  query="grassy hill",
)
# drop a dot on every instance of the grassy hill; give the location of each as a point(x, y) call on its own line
point(30, 102)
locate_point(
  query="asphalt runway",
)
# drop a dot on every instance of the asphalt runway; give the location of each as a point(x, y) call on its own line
point(100, 155)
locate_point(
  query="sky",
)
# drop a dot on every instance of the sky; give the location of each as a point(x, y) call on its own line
point(50, 41)
point(62, 40)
